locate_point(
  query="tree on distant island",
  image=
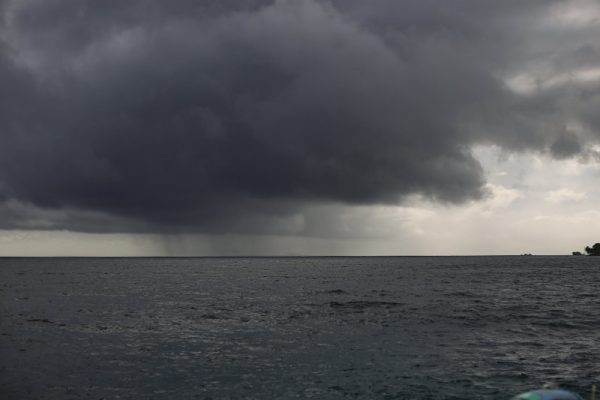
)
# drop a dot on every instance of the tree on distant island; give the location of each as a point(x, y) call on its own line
point(594, 250)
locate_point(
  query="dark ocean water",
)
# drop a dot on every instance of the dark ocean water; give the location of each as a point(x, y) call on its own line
point(285, 328)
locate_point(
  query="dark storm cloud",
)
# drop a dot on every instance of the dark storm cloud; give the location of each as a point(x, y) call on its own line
point(566, 146)
point(232, 115)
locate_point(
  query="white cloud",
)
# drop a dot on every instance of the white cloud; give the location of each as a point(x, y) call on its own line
point(565, 195)
point(577, 218)
point(502, 197)
point(531, 82)
point(573, 14)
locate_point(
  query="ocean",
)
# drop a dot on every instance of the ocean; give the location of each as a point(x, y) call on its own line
point(297, 328)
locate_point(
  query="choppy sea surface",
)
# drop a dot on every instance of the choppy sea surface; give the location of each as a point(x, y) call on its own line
point(287, 328)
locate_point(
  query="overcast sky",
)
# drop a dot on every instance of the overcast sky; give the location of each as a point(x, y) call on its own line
point(298, 127)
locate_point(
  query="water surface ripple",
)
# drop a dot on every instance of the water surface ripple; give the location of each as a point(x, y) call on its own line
point(285, 328)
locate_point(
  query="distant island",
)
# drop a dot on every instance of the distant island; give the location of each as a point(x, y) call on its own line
point(591, 251)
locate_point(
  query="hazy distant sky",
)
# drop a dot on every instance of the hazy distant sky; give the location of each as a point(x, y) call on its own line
point(203, 127)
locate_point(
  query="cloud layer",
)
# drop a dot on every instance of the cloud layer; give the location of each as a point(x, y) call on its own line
point(232, 116)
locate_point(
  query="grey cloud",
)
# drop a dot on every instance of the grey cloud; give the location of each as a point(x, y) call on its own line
point(233, 116)
point(566, 146)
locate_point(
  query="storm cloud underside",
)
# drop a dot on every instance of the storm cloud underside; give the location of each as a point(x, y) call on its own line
point(222, 116)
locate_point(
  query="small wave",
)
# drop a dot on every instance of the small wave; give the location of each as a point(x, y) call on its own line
point(364, 304)
point(336, 291)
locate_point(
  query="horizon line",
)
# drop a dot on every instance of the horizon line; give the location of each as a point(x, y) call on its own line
point(301, 256)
